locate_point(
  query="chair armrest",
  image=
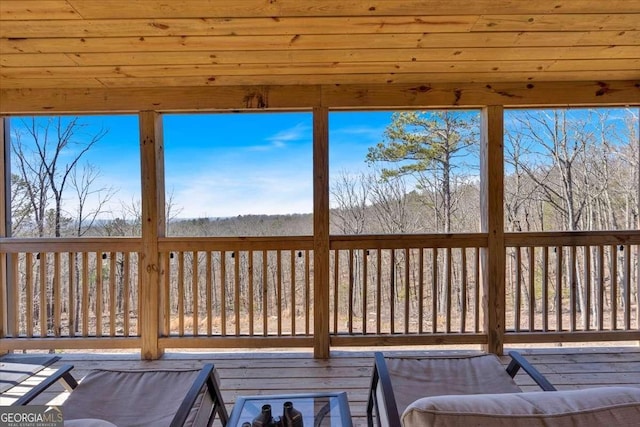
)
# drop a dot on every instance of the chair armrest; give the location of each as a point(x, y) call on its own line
point(518, 361)
point(380, 381)
point(61, 374)
point(205, 379)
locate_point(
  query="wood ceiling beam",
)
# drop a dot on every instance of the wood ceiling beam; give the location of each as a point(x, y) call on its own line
point(258, 98)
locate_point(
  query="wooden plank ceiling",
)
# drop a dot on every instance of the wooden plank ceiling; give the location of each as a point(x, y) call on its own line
point(163, 43)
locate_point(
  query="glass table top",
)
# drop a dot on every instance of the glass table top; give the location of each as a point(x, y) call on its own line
point(329, 409)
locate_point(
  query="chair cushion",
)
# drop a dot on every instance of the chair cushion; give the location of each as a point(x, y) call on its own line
point(413, 378)
point(606, 406)
point(131, 398)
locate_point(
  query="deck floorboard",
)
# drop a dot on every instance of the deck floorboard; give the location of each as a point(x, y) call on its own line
point(273, 372)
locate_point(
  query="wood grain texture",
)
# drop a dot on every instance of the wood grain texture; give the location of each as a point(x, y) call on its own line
point(115, 44)
point(153, 227)
point(492, 222)
point(245, 374)
point(321, 232)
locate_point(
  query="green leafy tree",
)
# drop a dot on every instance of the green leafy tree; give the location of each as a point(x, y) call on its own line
point(424, 146)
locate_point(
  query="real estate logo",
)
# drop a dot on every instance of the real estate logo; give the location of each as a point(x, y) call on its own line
point(31, 416)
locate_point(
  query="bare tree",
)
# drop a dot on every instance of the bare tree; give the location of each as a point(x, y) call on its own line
point(84, 186)
point(350, 194)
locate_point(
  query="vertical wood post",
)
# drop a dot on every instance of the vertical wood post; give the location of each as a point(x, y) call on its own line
point(321, 232)
point(153, 227)
point(5, 221)
point(492, 223)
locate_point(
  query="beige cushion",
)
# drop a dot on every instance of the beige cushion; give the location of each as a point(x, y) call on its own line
point(607, 406)
point(129, 398)
point(413, 378)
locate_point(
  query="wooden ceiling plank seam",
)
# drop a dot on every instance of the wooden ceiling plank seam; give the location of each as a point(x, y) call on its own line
point(533, 38)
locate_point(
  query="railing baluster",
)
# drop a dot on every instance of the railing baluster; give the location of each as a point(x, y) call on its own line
point(351, 290)
point(166, 295)
point(112, 294)
point(378, 290)
point(236, 289)
point(365, 289)
point(251, 292)
point(180, 293)
point(223, 293)
point(265, 329)
point(613, 273)
point(307, 290)
point(57, 297)
point(29, 292)
point(545, 289)
point(434, 291)
point(44, 303)
point(421, 291)
point(407, 288)
point(587, 288)
point(98, 307)
point(448, 285)
point(572, 288)
point(517, 288)
point(392, 291)
point(601, 288)
point(532, 288)
point(292, 254)
point(85, 294)
point(208, 286)
point(126, 292)
point(279, 290)
point(336, 286)
point(476, 278)
point(463, 291)
point(559, 288)
point(627, 286)
point(72, 293)
point(194, 292)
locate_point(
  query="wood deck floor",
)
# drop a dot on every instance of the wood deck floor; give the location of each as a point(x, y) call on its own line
point(258, 372)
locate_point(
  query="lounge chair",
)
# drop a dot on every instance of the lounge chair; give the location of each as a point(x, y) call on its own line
point(479, 391)
point(140, 397)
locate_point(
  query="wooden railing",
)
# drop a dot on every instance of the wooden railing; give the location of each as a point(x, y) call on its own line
point(78, 291)
point(406, 289)
point(584, 283)
point(249, 291)
point(257, 292)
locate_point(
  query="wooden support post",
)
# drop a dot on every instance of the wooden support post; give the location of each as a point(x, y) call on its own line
point(5, 222)
point(153, 227)
point(321, 232)
point(492, 222)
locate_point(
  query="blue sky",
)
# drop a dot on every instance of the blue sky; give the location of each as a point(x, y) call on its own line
point(220, 165)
